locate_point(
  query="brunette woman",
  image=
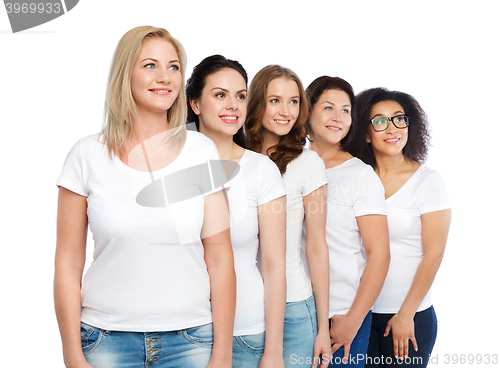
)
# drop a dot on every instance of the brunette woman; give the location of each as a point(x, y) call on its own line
point(163, 266)
point(217, 103)
point(356, 227)
point(392, 136)
point(275, 127)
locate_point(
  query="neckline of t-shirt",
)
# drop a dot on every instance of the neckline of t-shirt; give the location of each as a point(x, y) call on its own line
point(406, 183)
point(170, 165)
point(342, 164)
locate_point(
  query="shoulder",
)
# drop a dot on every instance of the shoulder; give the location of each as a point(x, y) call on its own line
point(195, 138)
point(308, 159)
point(427, 175)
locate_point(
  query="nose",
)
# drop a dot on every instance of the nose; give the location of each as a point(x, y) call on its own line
point(284, 109)
point(232, 103)
point(163, 76)
point(336, 115)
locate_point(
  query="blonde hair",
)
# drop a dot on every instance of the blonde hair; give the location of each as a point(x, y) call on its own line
point(120, 107)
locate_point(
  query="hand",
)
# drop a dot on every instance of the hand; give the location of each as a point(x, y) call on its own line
point(342, 331)
point(322, 350)
point(403, 329)
point(269, 361)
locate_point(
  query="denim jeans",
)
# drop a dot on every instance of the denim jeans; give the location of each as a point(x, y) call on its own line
point(357, 351)
point(248, 350)
point(300, 330)
point(381, 350)
point(191, 347)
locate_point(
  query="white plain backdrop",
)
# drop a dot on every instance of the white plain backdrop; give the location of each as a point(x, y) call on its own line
point(445, 53)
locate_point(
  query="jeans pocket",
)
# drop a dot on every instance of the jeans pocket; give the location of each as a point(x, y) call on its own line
point(91, 338)
point(200, 335)
point(253, 344)
point(297, 312)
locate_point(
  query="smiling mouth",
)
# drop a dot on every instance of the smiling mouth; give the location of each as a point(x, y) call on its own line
point(282, 122)
point(334, 128)
point(392, 140)
point(160, 91)
point(229, 119)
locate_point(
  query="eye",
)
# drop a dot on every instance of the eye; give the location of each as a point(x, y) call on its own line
point(346, 111)
point(241, 97)
point(149, 66)
point(329, 108)
point(274, 100)
point(294, 102)
point(220, 95)
point(175, 67)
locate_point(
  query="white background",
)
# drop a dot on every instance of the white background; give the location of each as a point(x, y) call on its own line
point(445, 53)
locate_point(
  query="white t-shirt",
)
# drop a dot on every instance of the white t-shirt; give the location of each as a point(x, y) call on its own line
point(148, 271)
point(258, 181)
point(424, 192)
point(303, 176)
point(353, 190)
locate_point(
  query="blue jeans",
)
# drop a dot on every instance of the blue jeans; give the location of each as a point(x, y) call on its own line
point(381, 350)
point(359, 345)
point(300, 330)
point(190, 347)
point(248, 350)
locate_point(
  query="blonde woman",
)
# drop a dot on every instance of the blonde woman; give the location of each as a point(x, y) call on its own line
point(163, 266)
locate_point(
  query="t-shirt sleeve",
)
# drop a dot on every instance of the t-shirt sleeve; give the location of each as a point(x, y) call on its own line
point(369, 195)
point(72, 177)
point(270, 181)
point(435, 196)
point(314, 172)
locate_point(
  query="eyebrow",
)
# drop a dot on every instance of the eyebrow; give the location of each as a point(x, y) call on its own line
point(282, 97)
point(227, 91)
point(155, 60)
point(331, 103)
point(394, 114)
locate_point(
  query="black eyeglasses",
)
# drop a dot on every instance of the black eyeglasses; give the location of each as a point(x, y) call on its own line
point(380, 124)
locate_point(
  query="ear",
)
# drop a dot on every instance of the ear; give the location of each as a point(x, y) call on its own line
point(194, 106)
point(368, 139)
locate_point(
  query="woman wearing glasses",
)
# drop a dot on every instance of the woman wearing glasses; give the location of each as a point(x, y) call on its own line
point(393, 137)
point(356, 227)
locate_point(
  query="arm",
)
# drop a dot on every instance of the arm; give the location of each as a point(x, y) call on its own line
point(69, 263)
point(375, 235)
point(315, 208)
point(435, 227)
point(272, 233)
point(220, 265)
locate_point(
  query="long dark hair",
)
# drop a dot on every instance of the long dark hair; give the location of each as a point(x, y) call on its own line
point(289, 146)
point(196, 83)
point(418, 132)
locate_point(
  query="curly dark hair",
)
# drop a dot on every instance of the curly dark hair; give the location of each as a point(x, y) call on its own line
point(290, 146)
point(321, 85)
point(418, 129)
point(196, 83)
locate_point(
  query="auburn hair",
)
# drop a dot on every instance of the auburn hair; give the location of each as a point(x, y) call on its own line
point(289, 146)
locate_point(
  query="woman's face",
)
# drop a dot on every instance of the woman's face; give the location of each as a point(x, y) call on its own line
point(283, 106)
point(156, 77)
point(222, 107)
point(330, 118)
point(392, 140)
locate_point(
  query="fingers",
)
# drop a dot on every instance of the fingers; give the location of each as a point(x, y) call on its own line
point(387, 329)
point(336, 347)
point(347, 348)
point(414, 342)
